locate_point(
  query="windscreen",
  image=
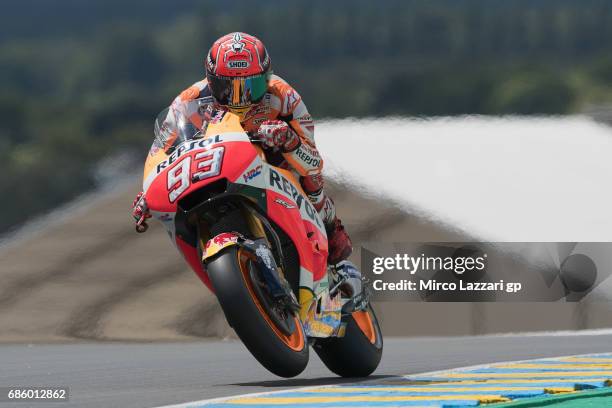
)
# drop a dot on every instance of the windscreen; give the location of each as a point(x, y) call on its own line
point(176, 124)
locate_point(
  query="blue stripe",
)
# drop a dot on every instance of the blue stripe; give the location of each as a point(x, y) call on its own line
point(523, 394)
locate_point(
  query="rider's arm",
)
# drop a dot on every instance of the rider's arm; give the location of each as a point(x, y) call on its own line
point(304, 158)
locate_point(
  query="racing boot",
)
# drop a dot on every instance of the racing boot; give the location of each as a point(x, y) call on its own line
point(347, 277)
point(349, 282)
point(338, 241)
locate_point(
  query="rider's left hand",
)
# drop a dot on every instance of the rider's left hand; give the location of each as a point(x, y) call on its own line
point(140, 212)
point(276, 133)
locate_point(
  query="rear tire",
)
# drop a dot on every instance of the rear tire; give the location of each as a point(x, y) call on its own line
point(285, 356)
point(358, 353)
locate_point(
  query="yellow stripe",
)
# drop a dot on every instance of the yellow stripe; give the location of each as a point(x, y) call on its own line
point(529, 375)
point(587, 360)
point(423, 389)
point(485, 399)
point(558, 390)
point(237, 91)
point(482, 382)
point(557, 366)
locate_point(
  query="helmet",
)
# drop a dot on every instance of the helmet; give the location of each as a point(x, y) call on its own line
point(238, 70)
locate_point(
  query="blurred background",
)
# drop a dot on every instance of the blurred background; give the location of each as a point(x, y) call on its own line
point(81, 83)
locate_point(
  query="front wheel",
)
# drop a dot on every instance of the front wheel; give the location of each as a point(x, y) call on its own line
point(278, 343)
point(358, 353)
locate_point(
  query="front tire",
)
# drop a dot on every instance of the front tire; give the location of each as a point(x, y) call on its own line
point(358, 353)
point(282, 354)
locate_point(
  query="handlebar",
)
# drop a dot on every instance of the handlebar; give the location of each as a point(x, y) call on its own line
point(254, 137)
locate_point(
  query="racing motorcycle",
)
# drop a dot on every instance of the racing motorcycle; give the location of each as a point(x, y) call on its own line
point(252, 236)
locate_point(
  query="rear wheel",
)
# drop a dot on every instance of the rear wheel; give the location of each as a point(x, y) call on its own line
point(274, 337)
point(358, 353)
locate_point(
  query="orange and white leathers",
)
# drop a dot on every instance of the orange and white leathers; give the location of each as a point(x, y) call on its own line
point(281, 102)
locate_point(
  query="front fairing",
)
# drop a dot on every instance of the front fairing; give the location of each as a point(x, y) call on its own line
point(194, 164)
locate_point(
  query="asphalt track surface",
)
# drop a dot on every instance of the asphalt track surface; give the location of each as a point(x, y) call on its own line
point(147, 375)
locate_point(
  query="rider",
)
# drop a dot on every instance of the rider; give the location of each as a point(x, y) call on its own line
point(239, 79)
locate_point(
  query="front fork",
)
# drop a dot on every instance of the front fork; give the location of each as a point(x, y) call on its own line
point(278, 287)
point(321, 314)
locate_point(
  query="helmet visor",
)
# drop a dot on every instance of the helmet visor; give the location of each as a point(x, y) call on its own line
point(238, 91)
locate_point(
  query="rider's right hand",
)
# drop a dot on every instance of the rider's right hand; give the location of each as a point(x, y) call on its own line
point(278, 134)
point(140, 212)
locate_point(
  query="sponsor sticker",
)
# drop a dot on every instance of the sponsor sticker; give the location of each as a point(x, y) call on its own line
point(281, 184)
point(240, 64)
point(217, 116)
point(292, 100)
point(186, 148)
point(251, 174)
point(309, 156)
point(260, 108)
point(166, 217)
point(284, 203)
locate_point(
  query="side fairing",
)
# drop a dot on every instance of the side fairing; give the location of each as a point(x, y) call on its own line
point(288, 206)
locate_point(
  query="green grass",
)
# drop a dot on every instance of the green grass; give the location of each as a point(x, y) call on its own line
point(581, 399)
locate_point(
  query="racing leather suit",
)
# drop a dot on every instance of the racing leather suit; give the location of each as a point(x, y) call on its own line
point(281, 102)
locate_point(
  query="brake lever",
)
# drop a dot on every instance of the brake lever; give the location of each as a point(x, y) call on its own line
point(254, 138)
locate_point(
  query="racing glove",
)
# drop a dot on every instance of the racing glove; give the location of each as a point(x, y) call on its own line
point(278, 134)
point(140, 212)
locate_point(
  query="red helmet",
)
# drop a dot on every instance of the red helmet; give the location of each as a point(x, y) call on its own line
point(238, 70)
